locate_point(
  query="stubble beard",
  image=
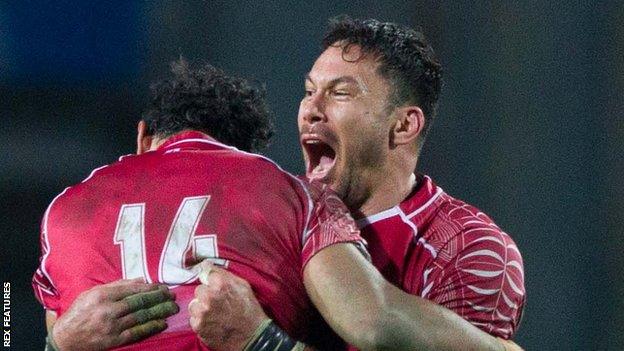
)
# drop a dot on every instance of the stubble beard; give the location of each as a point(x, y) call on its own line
point(355, 183)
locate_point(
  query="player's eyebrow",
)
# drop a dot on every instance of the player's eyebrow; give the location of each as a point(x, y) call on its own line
point(307, 78)
point(342, 79)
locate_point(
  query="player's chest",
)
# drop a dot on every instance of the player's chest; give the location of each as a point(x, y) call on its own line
point(399, 252)
point(389, 243)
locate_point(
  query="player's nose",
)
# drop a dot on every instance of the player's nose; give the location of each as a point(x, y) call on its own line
point(313, 110)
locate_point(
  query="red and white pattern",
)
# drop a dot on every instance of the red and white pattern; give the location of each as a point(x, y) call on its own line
point(449, 252)
point(332, 219)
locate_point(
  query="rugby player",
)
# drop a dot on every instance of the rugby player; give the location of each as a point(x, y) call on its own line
point(188, 195)
point(369, 101)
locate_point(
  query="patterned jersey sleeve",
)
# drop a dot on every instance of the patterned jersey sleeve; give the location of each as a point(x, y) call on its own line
point(330, 223)
point(479, 275)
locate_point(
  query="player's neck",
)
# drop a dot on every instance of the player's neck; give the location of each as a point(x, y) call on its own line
point(156, 142)
point(390, 189)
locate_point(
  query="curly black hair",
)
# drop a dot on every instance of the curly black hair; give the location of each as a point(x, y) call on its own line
point(406, 59)
point(205, 99)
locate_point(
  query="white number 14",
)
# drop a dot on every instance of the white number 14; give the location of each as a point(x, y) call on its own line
point(130, 235)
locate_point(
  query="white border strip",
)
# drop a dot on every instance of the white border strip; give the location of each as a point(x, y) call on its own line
point(391, 212)
point(44, 233)
point(408, 222)
point(437, 194)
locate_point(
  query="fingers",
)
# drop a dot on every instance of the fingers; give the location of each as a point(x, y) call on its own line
point(159, 311)
point(203, 296)
point(211, 274)
point(147, 321)
point(224, 309)
point(129, 287)
point(206, 268)
point(122, 282)
point(193, 306)
point(200, 308)
point(144, 300)
point(203, 293)
point(195, 309)
point(117, 313)
point(142, 331)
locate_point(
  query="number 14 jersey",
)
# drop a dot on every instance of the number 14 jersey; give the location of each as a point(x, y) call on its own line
point(158, 214)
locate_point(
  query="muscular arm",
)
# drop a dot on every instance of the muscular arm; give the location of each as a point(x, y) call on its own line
point(353, 297)
point(370, 313)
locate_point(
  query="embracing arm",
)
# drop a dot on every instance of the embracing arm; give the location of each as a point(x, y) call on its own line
point(353, 297)
point(372, 314)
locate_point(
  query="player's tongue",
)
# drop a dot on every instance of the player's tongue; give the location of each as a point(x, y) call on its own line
point(324, 165)
point(322, 159)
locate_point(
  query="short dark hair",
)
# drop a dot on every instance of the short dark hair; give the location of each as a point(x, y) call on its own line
point(205, 99)
point(406, 59)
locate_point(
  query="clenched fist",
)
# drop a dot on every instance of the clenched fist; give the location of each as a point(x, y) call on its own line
point(224, 312)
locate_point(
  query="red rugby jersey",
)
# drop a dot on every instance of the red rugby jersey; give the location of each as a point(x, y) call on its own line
point(442, 249)
point(158, 214)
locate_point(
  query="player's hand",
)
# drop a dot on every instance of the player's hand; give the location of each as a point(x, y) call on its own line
point(224, 312)
point(114, 314)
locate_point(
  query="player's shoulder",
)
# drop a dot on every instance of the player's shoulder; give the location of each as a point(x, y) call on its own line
point(447, 219)
point(265, 166)
point(77, 192)
point(269, 173)
point(462, 214)
point(473, 227)
point(269, 177)
point(113, 169)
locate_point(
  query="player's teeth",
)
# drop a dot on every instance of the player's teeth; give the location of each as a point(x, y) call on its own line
point(318, 169)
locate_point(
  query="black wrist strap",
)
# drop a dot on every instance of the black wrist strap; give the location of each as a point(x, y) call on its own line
point(273, 338)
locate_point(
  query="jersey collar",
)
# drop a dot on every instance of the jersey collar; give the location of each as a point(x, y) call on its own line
point(191, 139)
point(424, 194)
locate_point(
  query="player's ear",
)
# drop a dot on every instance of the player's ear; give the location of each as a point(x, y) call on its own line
point(409, 124)
point(144, 139)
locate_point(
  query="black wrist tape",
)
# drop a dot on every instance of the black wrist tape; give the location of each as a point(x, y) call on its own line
point(272, 338)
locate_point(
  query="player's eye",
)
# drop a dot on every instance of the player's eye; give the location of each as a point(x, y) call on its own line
point(340, 93)
point(308, 92)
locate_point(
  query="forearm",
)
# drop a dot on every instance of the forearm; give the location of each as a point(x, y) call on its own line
point(411, 322)
point(371, 314)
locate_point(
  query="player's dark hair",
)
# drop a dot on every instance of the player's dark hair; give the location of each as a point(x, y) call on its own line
point(405, 59)
point(205, 99)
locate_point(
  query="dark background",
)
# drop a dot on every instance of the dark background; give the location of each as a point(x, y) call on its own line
point(530, 126)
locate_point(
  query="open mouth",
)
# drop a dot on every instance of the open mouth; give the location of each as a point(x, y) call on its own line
point(321, 157)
